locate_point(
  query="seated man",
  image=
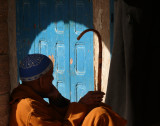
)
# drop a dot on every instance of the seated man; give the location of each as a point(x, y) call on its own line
point(28, 108)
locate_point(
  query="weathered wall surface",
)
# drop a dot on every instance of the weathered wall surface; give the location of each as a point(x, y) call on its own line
point(101, 20)
point(4, 64)
point(12, 43)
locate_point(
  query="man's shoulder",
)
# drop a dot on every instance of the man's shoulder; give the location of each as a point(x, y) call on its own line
point(21, 108)
point(34, 105)
point(25, 104)
point(29, 102)
point(28, 105)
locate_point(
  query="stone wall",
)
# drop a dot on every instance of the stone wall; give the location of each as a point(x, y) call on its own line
point(12, 43)
point(4, 64)
point(101, 22)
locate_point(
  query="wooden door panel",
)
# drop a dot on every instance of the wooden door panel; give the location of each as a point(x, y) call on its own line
point(51, 27)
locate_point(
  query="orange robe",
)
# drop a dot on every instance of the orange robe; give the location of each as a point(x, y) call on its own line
point(29, 109)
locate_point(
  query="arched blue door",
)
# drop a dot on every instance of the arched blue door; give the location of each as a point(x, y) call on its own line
point(51, 27)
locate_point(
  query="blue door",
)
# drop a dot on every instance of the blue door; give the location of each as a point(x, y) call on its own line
point(51, 27)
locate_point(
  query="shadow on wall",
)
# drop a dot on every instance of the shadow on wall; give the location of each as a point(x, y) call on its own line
point(43, 26)
point(52, 20)
point(51, 27)
point(41, 22)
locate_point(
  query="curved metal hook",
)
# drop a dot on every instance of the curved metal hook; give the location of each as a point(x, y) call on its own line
point(100, 54)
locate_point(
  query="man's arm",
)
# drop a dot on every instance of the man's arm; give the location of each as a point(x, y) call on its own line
point(59, 101)
point(55, 98)
point(92, 98)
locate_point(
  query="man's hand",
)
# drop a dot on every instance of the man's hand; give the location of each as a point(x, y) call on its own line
point(54, 93)
point(92, 98)
point(55, 98)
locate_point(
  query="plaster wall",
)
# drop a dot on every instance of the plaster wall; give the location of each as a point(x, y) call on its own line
point(4, 64)
point(12, 43)
point(101, 20)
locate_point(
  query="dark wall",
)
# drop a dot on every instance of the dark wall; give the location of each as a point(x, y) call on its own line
point(4, 63)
